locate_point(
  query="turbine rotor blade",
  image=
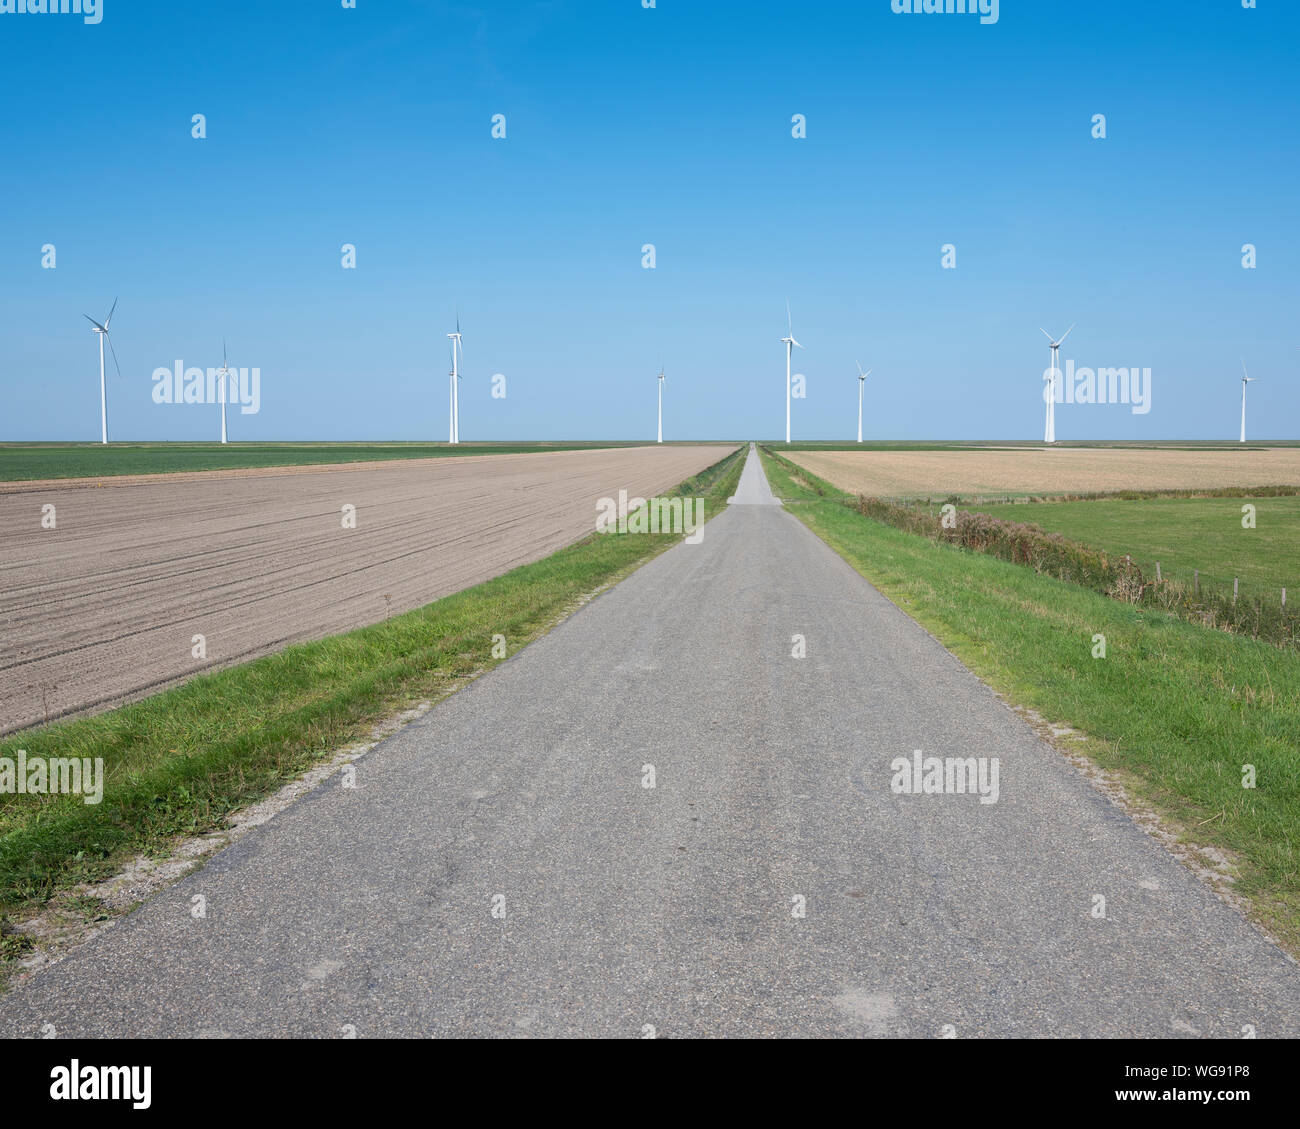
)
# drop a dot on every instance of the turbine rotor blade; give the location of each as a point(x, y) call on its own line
point(114, 352)
point(94, 323)
point(109, 320)
point(1047, 335)
point(1066, 334)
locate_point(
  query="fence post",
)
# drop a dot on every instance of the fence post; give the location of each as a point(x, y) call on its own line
point(1196, 582)
point(1157, 570)
point(1284, 597)
point(1234, 589)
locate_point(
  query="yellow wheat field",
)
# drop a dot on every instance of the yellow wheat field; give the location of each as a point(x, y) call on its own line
point(986, 473)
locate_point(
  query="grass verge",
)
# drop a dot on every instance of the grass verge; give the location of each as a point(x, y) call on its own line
point(1174, 709)
point(179, 763)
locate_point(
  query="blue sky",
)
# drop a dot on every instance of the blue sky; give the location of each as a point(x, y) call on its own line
point(670, 126)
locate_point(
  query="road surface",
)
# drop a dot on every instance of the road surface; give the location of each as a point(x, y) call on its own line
point(628, 908)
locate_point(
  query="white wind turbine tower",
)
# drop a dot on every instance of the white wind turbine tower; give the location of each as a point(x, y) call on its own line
point(1049, 435)
point(862, 380)
point(661, 403)
point(790, 344)
point(1246, 378)
point(224, 373)
point(456, 353)
point(102, 330)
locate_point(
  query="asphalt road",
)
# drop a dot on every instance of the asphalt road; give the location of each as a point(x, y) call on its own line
point(674, 906)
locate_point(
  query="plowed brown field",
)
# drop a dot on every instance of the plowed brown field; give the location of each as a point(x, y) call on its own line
point(104, 607)
point(910, 474)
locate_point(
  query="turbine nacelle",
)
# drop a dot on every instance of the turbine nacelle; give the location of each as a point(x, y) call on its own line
point(1057, 344)
point(107, 321)
point(102, 330)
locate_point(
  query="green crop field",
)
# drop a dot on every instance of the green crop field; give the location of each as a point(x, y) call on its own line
point(26, 461)
point(1184, 534)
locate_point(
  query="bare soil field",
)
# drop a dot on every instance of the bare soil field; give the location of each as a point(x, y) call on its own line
point(998, 473)
point(104, 607)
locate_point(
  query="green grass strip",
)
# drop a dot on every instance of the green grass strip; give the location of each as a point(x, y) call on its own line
point(24, 462)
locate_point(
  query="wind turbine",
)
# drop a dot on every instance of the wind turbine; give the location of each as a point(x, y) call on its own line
point(1246, 378)
point(661, 403)
point(790, 344)
point(224, 373)
point(102, 330)
point(1049, 435)
point(862, 380)
point(456, 353)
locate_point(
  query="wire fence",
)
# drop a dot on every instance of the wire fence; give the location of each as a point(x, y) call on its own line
point(1213, 600)
point(1235, 585)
